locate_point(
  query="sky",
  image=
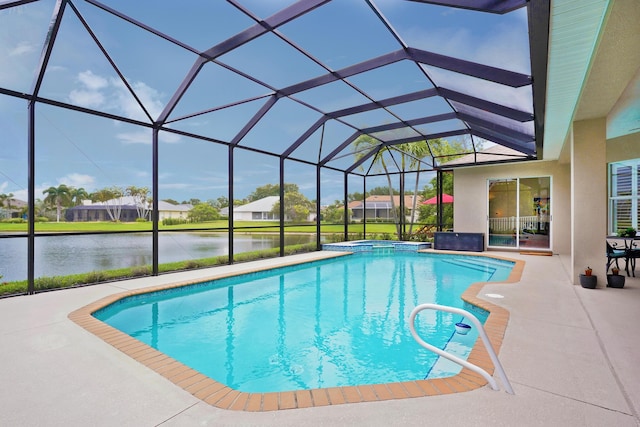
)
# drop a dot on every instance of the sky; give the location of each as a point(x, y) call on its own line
point(92, 152)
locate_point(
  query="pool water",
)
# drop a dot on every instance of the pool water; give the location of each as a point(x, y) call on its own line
point(322, 324)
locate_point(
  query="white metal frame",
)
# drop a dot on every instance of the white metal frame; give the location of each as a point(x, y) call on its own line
point(481, 332)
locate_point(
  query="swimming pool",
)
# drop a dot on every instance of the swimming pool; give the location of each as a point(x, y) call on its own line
point(323, 324)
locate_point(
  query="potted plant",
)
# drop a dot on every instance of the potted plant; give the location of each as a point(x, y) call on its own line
point(588, 280)
point(615, 280)
point(628, 232)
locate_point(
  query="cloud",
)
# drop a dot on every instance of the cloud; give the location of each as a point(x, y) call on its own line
point(51, 68)
point(92, 81)
point(168, 137)
point(77, 180)
point(150, 98)
point(174, 186)
point(85, 98)
point(22, 48)
point(504, 45)
point(139, 137)
point(145, 136)
point(24, 194)
point(112, 95)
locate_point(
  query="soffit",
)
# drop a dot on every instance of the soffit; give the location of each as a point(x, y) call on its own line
point(574, 29)
point(612, 87)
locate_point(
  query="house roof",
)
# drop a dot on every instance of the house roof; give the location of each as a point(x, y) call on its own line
point(408, 200)
point(166, 206)
point(123, 201)
point(15, 203)
point(496, 153)
point(262, 205)
point(383, 202)
point(129, 202)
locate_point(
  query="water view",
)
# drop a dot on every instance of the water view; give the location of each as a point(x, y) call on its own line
point(62, 255)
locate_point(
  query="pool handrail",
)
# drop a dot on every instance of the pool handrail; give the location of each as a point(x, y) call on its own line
point(481, 332)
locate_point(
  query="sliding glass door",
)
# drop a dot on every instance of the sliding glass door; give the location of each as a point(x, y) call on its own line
point(519, 213)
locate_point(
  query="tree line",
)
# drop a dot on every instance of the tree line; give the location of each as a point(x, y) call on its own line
point(405, 157)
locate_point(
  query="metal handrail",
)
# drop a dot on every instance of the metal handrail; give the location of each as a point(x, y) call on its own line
point(455, 359)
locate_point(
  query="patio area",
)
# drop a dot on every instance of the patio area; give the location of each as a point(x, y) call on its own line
point(571, 355)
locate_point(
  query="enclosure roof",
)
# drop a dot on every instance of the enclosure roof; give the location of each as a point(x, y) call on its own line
point(354, 86)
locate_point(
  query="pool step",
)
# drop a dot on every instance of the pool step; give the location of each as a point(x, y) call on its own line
point(470, 265)
point(383, 249)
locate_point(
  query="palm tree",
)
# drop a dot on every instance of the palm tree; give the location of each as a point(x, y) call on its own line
point(363, 146)
point(415, 151)
point(111, 199)
point(40, 208)
point(58, 196)
point(78, 195)
point(141, 198)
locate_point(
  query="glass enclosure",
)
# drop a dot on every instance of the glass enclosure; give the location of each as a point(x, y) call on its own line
point(225, 130)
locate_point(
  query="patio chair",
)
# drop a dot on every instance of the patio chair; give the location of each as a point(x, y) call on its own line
point(631, 255)
point(614, 254)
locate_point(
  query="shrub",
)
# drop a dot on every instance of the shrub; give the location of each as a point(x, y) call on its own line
point(14, 221)
point(191, 264)
point(95, 277)
point(174, 221)
point(143, 270)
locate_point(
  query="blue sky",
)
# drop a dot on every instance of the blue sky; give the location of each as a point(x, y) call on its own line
point(92, 152)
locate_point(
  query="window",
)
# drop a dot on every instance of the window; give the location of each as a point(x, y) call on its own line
point(623, 195)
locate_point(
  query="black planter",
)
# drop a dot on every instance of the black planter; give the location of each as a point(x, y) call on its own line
point(615, 281)
point(588, 282)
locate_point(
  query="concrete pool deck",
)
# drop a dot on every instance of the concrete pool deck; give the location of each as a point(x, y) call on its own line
point(571, 355)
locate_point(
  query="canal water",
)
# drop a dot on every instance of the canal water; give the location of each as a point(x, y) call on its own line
point(63, 255)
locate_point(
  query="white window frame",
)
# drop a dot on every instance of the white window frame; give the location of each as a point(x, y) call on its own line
point(633, 197)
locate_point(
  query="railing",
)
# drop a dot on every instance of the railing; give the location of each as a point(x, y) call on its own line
point(510, 224)
point(455, 359)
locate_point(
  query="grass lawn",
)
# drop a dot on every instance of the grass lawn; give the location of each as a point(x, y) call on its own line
point(221, 226)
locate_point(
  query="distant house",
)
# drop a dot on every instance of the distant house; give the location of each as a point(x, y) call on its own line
point(259, 210)
point(380, 207)
point(11, 208)
point(124, 209)
point(167, 210)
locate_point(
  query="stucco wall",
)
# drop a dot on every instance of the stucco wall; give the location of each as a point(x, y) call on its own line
point(623, 148)
point(589, 193)
point(470, 192)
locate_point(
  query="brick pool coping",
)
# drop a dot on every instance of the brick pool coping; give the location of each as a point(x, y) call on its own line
point(221, 396)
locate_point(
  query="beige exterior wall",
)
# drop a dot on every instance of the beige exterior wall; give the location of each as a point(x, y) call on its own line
point(172, 215)
point(589, 196)
point(623, 148)
point(471, 197)
point(579, 193)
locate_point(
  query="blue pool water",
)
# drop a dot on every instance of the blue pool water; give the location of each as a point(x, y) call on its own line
point(328, 323)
